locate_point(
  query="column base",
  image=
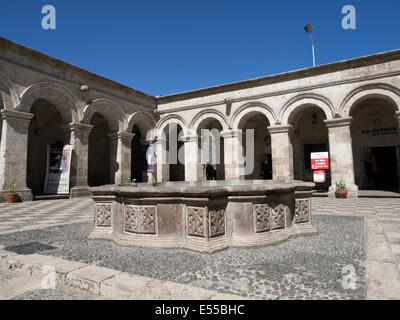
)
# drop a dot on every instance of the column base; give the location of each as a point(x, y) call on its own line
point(352, 192)
point(24, 195)
point(80, 192)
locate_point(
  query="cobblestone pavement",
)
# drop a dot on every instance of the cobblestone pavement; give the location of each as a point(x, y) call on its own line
point(300, 268)
point(40, 214)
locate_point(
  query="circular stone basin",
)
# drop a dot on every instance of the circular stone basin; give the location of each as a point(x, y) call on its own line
point(203, 216)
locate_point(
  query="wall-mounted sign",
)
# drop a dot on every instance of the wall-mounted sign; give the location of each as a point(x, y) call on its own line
point(58, 169)
point(319, 161)
point(380, 131)
point(319, 176)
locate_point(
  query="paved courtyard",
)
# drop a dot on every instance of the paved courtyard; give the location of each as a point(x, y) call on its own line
point(363, 234)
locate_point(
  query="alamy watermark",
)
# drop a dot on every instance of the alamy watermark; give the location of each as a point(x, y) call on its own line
point(349, 280)
point(214, 147)
point(49, 279)
point(49, 20)
point(349, 20)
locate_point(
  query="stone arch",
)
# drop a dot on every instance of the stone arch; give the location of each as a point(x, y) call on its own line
point(173, 118)
point(209, 113)
point(378, 90)
point(9, 97)
point(251, 108)
point(62, 98)
point(307, 99)
point(109, 109)
point(143, 120)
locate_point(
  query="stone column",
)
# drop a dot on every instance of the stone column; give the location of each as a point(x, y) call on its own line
point(193, 171)
point(341, 155)
point(14, 153)
point(398, 118)
point(282, 152)
point(162, 160)
point(79, 139)
point(233, 154)
point(120, 157)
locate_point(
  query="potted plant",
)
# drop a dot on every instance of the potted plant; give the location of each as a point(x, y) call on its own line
point(133, 183)
point(11, 196)
point(341, 191)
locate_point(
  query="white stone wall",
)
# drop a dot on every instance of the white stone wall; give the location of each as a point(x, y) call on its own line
point(334, 90)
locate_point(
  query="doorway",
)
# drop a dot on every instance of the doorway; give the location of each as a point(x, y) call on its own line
point(381, 169)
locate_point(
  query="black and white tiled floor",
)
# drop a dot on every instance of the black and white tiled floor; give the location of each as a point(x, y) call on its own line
point(40, 214)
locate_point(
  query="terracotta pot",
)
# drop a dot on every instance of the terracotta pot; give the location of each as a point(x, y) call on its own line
point(11, 197)
point(342, 194)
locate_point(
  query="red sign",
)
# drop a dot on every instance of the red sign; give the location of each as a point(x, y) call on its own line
point(319, 160)
point(319, 176)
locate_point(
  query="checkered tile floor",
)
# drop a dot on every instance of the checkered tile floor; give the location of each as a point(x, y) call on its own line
point(40, 214)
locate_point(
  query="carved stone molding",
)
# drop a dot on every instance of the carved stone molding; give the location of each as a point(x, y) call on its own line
point(278, 216)
point(205, 223)
point(103, 214)
point(196, 222)
point(261, 214)
point(216, 222)
point(148, 220)
point(141, 219)
point(302, 210)
point(131, 219)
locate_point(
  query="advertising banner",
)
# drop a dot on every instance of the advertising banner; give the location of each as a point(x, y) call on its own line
point(319, 161)
point(58, 169)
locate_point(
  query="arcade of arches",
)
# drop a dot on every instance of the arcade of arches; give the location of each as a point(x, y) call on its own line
point(234, 131)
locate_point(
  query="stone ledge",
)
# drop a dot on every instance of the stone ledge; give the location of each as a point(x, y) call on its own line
point(106, 282)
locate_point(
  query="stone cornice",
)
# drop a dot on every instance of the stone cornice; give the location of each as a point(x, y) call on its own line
point(280, 129)
point(16, 115)
point(360, 79)
point(63, 66)
point(286, 76)
point(338, 122)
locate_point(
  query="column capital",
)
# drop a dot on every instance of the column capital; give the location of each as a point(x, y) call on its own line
point(280, 129)
point(16, 115)
point(230, 134)
point(121, 135)
point(189, 138)
point(338, 122)
point(76, 127)
point(398, 115)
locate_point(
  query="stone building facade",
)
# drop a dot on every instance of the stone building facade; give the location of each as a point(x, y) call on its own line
point(350, 108)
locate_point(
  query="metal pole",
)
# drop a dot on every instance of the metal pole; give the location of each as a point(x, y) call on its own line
point(313, 50)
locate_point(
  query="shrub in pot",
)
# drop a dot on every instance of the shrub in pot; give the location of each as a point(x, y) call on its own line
point(341, 191)
point(11, 196)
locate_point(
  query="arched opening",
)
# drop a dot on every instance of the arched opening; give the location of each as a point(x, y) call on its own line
point(99, 159)
point(138, 156)
point(376, 145)
point(211, 152)
point(259, 160)
point(175, 151)
point(310, 135)
point(45, 142)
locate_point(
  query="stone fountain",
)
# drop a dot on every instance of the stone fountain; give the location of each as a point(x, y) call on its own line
point(203, 216)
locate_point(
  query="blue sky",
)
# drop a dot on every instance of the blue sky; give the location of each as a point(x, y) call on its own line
point(165, 47)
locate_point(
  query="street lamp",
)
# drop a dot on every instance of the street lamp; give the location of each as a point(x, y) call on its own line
point(309, 28)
